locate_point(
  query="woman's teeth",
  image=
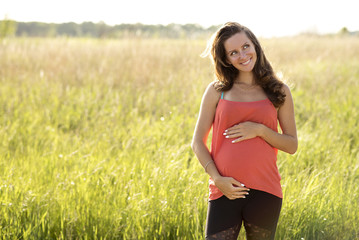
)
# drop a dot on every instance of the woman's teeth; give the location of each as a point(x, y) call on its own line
point(245, 63)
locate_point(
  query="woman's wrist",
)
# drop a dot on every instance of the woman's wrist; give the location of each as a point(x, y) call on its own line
point(260, 130)
point(205, 167)
point(216, 178)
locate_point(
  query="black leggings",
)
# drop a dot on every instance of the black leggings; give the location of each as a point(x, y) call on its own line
point(259, 212)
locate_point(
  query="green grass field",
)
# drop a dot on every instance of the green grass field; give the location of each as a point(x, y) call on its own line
point(95, 138)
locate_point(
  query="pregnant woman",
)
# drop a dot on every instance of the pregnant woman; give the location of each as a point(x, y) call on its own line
point(243, 105)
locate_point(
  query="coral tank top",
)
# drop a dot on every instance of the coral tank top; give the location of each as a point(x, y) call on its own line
point(252, 162)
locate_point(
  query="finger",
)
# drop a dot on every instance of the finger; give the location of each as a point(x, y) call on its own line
point(234, 135)
point(239, 187)
point(241, 191)
point(239, 139)
point(237, 183)
point(234, 127)
point(240, 196)
point(230, 196)
point(231, 132)
point(236, 132)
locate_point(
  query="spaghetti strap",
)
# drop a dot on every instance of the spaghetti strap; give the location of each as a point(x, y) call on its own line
point(222, 95)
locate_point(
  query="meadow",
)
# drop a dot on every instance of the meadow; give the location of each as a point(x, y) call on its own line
point(95, 138)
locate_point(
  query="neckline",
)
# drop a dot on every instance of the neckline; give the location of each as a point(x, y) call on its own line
point(245, 102)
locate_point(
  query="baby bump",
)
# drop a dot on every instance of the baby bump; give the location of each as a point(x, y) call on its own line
point(242, 159)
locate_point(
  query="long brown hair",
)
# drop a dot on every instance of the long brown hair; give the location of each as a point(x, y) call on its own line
point(226, 73)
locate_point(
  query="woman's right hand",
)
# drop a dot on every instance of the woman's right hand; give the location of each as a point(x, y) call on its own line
point(231, 188)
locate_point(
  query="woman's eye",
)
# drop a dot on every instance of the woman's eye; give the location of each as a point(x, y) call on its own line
point(246, 46)
point(233, 53)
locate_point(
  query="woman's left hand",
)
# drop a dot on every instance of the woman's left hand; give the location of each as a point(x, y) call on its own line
point(243, 131)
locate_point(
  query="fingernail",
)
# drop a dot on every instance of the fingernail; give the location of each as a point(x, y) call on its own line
point(244, 197)
point(233, 141)
point(225, 130)
point(224, 133)
point(227, 136)
point(247, 193)
point(242, 185)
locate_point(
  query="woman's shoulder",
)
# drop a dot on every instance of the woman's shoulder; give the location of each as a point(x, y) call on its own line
point(288, 101)
point(211, 95)
point(211, 91)
point(286, 90)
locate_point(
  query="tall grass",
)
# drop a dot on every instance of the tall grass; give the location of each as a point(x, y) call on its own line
point(95, 138)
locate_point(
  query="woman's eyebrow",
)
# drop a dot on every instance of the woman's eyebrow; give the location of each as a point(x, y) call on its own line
point(236, 49)
point(245, 43)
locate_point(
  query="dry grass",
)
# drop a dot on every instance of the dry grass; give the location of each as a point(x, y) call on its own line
point(95, 138)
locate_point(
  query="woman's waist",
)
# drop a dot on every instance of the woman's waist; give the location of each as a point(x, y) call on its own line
point(249, 168)
point(250, 148)
point(239, 163)
point(251, 152)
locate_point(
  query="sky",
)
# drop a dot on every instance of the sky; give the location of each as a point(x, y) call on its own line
point(266, 18)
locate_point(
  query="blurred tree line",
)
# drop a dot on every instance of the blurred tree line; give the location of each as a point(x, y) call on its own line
point(102, 30)
point(7, 28)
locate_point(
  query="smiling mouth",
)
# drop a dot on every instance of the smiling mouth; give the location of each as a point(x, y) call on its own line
point(246, 62)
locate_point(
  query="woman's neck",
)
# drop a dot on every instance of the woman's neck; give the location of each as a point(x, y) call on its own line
point(245, 78)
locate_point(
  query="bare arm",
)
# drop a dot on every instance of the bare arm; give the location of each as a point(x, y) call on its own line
point(228, 186)
point(285, 141)
point(203, 127)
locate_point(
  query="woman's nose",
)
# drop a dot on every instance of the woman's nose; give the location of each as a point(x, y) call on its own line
point(242, 54)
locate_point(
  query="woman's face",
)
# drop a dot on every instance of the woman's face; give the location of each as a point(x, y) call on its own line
point(240, 52)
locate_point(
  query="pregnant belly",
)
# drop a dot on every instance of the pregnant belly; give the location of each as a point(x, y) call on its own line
point(247, 159)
